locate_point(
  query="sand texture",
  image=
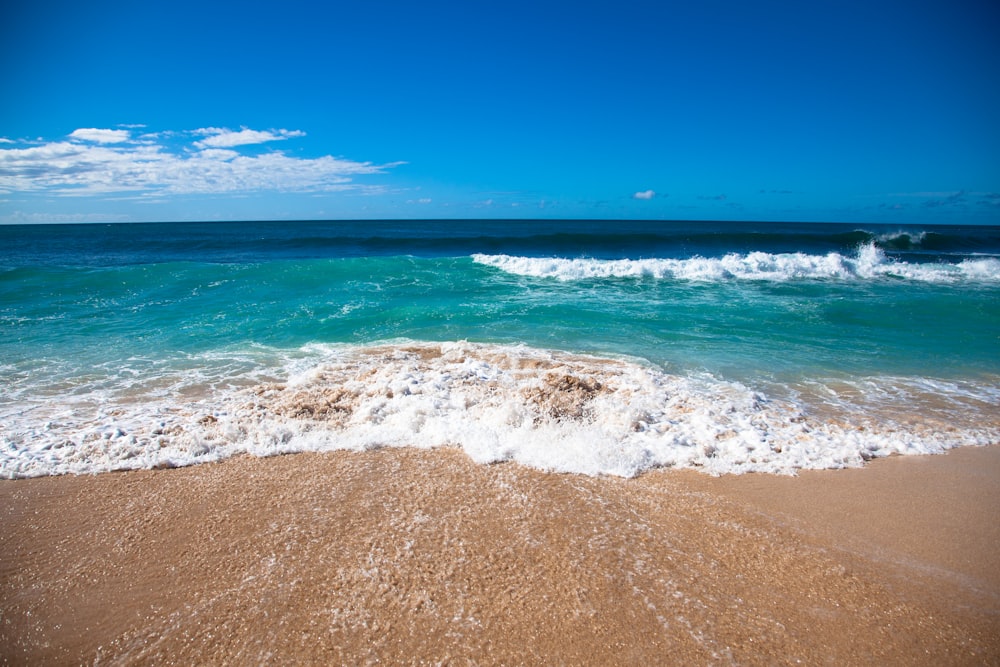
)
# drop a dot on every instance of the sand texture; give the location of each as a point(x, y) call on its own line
point(424, 557)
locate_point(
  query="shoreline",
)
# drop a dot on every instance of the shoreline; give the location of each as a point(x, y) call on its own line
point(411, 556)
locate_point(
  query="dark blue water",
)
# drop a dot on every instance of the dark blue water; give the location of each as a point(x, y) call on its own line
point(242, 242)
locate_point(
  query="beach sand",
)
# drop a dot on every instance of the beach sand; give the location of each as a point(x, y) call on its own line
point(423, 557)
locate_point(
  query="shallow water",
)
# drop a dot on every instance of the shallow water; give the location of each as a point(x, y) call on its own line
point(724, 346)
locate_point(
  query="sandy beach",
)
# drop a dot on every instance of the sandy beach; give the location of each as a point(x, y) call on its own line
point(409, 556)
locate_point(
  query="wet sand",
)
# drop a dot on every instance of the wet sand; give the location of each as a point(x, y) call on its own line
point(423, 557)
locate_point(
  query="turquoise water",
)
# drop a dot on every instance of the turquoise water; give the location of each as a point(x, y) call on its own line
point(862, 323)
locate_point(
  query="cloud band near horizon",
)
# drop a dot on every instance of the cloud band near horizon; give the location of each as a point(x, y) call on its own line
point(95, 161)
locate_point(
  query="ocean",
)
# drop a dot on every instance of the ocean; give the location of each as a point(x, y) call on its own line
point(593, 347)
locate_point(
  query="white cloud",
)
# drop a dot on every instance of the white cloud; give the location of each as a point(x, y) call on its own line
point(100, 136)
point(224, 138)
point(645, 194)
point(923, 194)
point(223, 154)
point(27, 218)
point(160, 165)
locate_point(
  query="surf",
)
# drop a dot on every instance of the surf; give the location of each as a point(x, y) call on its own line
point(547, 409)
point(868, 263)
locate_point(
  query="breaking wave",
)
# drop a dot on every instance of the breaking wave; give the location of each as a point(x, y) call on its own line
point(549, 410)
point(869, 263)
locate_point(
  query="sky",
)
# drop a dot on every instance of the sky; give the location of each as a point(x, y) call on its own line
point(877, 110)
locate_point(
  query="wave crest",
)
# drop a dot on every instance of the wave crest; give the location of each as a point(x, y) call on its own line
point(869, 263)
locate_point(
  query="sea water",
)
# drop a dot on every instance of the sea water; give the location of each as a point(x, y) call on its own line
point(596, 347)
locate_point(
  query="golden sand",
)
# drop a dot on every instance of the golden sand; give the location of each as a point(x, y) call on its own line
point(423, 557)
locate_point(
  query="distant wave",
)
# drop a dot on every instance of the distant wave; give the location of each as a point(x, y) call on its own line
point(901, 240)
point(870, 262)
point(936, 241)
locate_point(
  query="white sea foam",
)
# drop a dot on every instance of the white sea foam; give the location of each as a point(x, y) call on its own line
point(869, 263)
point(544, 409)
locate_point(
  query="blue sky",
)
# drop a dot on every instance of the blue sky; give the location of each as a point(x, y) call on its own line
point(876, 111)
